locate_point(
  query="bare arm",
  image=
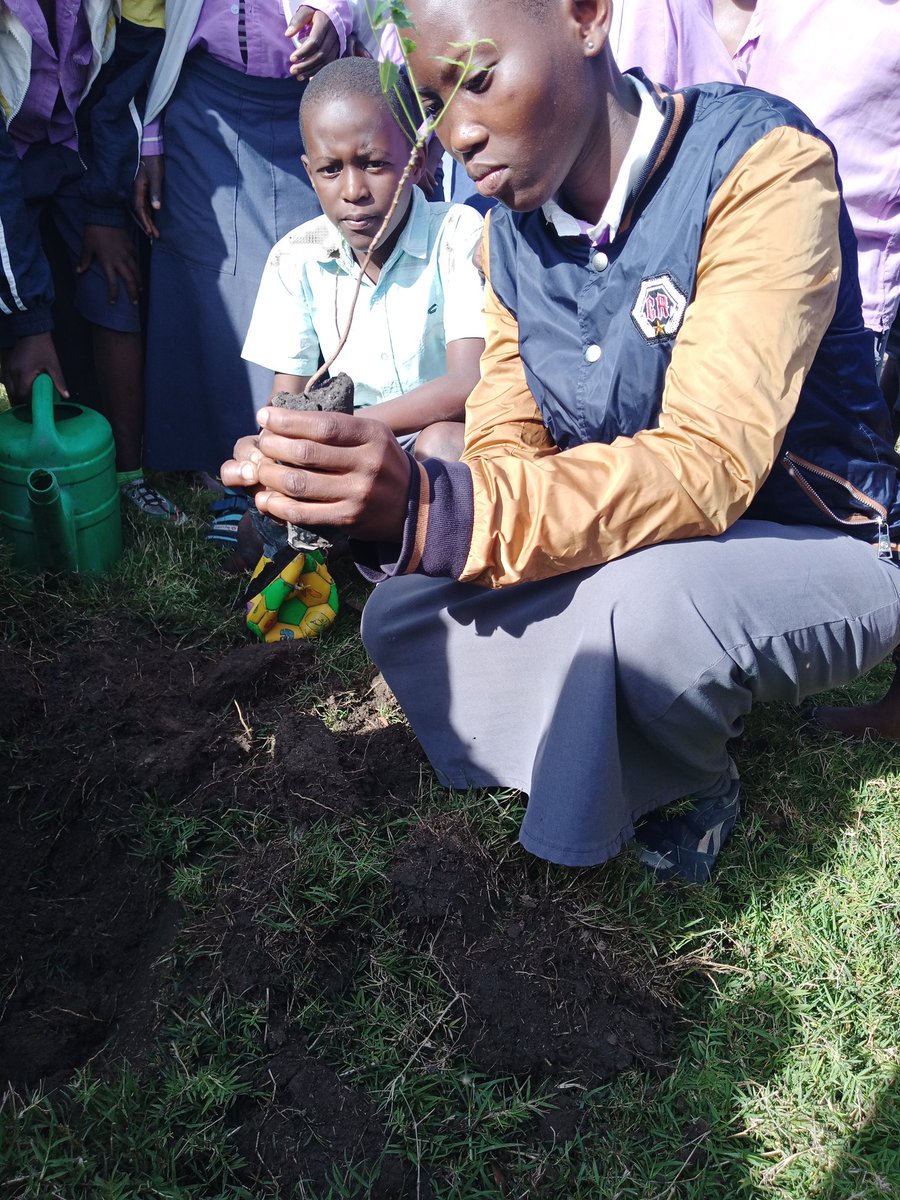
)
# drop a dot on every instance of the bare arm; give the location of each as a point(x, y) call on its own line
point(442, 399)
point(294, 384)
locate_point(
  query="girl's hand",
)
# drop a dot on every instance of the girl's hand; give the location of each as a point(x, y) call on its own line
point(114, 252)
point(316, 39)
point(315, 468)
point(147, 198)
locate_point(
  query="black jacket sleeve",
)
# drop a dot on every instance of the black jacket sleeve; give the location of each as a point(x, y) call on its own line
point(109, 123)
point(26, 286)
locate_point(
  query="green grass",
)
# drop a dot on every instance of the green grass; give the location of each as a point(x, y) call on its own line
point(782, 1078)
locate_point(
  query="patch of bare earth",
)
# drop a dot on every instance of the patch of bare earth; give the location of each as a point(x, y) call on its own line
point(94, 728)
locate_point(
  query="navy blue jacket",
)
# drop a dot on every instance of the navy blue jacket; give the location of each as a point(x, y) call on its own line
point(841, 425)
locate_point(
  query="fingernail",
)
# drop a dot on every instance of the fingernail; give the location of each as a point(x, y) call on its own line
point(248, 472)
point(262, 417)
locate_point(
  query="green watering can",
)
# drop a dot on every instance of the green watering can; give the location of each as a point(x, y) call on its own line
point(59, 499)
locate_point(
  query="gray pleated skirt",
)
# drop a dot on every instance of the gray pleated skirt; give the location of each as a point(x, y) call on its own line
point(609, 692)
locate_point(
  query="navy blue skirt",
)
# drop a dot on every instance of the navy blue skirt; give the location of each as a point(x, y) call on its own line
point(234, 185)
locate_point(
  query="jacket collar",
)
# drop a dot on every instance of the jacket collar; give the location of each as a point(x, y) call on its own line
point(671, 106)
point(643, 141)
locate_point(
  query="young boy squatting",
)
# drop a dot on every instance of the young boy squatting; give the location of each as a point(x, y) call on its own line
point(678, 494)
point(417, 331)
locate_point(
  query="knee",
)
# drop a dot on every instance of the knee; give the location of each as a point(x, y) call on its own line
point(399, 614)
point(668, 645)
point(444, 439)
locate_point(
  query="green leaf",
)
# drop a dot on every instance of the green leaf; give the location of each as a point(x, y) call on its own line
point(407, 46)
point(388, 12)
point(388, 74)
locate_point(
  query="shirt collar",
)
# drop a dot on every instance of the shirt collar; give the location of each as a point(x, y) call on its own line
point(412, 241)
point(743, 56)
point(650, 121)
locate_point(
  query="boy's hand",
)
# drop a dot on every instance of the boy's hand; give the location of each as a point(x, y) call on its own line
point(30, 357)
point(355, 48)
point(325, 469)
point(147, 197)
point(318, 42)
point(114, 251)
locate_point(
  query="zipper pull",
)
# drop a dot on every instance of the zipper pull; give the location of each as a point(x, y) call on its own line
point(884, 541)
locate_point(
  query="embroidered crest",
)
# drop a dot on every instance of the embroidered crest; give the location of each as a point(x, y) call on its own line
point(659, 308)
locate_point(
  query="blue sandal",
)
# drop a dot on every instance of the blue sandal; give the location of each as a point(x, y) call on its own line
point(226, 516)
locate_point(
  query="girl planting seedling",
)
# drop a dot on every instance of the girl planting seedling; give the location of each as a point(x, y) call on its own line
point(670, 505)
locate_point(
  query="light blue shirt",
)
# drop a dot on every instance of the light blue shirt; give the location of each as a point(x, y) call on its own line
point(427, 295)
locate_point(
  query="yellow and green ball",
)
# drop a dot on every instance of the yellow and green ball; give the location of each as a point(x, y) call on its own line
point(301, 603)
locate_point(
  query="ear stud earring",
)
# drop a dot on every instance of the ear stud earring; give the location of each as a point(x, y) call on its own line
point(590, 45)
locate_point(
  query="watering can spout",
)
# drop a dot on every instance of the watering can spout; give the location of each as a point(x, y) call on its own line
point(54, 527)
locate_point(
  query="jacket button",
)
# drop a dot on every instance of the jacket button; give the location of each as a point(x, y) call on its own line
point(599, 261)
point(593, 354)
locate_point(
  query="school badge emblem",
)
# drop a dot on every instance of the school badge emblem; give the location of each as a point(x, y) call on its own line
point(659, 308)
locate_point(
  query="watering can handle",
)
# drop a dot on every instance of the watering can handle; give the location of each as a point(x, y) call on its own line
point(45, 437)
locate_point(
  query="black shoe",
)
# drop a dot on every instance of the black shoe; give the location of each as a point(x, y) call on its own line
point(687, 844)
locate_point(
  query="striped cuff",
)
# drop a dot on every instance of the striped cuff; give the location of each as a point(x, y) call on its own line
point(437, 531)
point(152, 138)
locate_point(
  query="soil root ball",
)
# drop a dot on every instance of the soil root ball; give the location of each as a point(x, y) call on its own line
point(329, 395)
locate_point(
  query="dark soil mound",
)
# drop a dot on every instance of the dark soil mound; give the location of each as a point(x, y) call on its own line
point(317, 1120)
point(542, 996)
point(116, 721)
point(96, 727)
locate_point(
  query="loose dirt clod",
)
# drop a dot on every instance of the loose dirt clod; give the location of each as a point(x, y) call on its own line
point(329, 395)
point(317, 1120)
point(543, 997)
